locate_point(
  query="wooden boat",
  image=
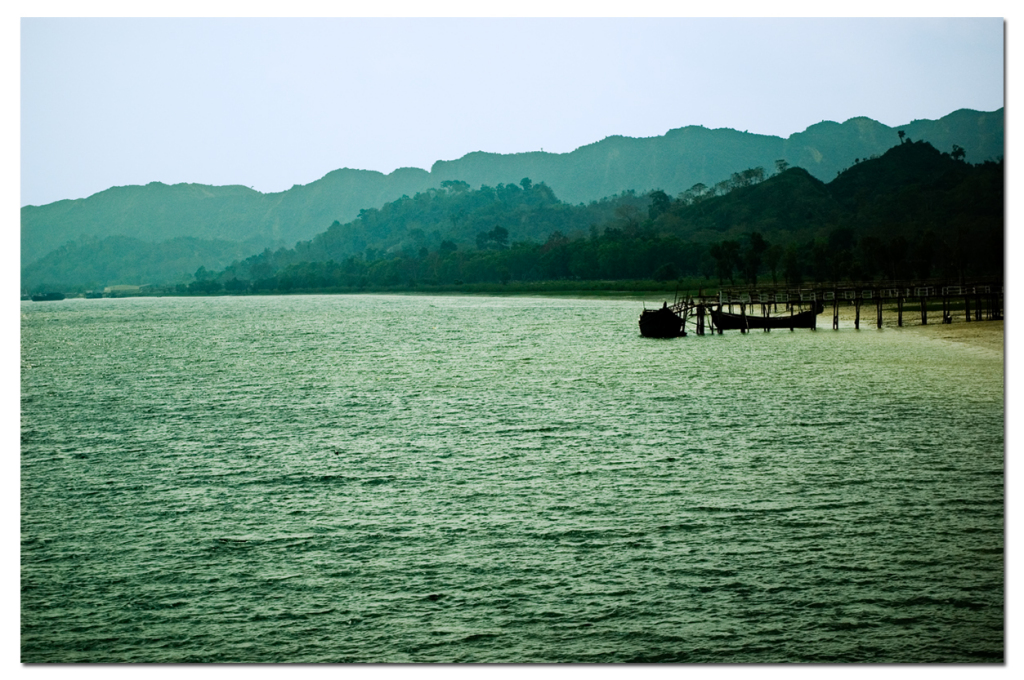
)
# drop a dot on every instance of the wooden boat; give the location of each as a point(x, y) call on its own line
point(661, 323)
point(739, 322)
point(47, 297)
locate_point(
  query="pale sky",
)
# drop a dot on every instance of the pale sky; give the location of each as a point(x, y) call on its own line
point(271, 103)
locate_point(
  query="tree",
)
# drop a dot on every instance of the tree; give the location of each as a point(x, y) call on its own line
point(499, 235)
point(902, 134)
point(455, 186)
point(726, 256)
point(631, 215)
point(660, 203)
point(870, 255)
point(495, 238)
point(525, 183)
point(752, 257)
point(924, 252)
point(841, 239)
point(694, 193)
point(707, 266)
point(896, 257)
point(666, 272)
point(791, 267)
point(781, 165)
point(455, 218)
point(958, 153)
point(772, 256)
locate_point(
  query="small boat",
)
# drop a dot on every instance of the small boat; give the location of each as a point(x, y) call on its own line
point(47, 297)
point(739, 322)
point(661, 323)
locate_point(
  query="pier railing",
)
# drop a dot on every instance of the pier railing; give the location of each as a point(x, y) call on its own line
point(980, 300)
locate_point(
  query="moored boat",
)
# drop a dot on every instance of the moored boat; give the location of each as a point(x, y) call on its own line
point(47, 297)
point(739, 322)
point(661, 323)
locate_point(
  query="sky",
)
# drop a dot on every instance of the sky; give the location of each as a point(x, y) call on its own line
point(271, 103)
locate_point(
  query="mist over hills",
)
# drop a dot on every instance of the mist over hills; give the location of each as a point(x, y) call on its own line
point(236, 219)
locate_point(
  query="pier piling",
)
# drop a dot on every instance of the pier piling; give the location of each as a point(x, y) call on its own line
point(980, 302)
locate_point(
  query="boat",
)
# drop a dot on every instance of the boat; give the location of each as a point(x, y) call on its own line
point(661, 323)
point(740, 322)
point(47, 297)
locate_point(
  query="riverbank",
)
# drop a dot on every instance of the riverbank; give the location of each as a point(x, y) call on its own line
point(987, 334)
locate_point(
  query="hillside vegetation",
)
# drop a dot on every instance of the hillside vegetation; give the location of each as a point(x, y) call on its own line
point(914, 212)
point(673, 163)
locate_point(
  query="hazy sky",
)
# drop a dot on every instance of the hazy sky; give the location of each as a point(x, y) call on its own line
point(270, 103)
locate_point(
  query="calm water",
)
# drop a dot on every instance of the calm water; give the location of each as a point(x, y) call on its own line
point(407, 479)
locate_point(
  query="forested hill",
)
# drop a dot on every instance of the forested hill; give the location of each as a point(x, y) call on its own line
point(673, 162)
point(913, 210)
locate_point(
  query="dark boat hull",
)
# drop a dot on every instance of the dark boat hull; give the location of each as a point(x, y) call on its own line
point(738, 322)
point(661, 323)
point(48, 297)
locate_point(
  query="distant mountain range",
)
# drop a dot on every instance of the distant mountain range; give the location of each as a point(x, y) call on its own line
point(913, 210)
point(241, 219)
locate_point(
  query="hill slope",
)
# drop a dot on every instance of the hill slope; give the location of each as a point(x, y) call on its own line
point(673, 162)
point(914, 209)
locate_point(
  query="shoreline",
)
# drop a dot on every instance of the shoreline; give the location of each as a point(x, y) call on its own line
point(986, 334)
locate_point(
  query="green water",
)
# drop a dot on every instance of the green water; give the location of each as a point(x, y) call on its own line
point(445, 479)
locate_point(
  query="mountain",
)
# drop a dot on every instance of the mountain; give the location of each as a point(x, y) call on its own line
point(157, 211)
point(89, 263)
point(911, 188)
point(673, 162)
point(914, 209)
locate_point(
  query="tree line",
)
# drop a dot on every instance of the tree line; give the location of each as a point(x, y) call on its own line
point(912, 213)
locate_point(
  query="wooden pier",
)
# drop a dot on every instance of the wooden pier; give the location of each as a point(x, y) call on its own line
point(747, 309)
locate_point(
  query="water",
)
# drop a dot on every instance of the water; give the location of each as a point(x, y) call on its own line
point(487, 479)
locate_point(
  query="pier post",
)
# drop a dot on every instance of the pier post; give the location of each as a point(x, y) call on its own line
point(899, 308)
point(743, 313)
point(835, 312)
point(924, 311)
point(879, 305)
point(967, 308)
point(977, 307)
point(856, 319)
